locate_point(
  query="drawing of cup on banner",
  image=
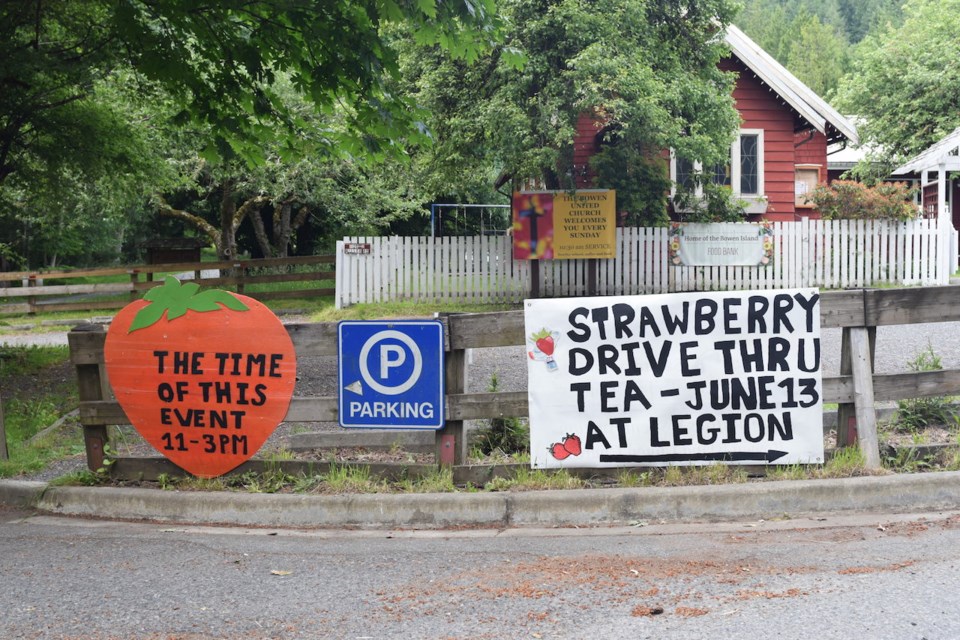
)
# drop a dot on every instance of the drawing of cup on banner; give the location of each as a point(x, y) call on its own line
point(543, 343)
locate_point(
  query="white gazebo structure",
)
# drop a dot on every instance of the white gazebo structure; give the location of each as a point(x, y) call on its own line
point(934, 167)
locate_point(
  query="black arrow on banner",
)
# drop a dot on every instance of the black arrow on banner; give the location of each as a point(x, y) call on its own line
point(735, 456)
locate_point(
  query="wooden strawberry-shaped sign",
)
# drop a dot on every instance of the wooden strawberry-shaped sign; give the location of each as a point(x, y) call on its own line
point(204, 376)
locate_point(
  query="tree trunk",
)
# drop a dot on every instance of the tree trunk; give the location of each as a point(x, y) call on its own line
point(260, 233)
point(227, 250)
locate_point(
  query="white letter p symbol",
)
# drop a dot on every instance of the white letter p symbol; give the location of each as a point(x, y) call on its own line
point(391, 355)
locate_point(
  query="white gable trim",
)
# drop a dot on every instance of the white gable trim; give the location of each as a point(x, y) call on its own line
point(945, 153)
point(808, 104)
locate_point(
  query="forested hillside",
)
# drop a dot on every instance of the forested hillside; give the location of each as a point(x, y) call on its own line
point(815, 39)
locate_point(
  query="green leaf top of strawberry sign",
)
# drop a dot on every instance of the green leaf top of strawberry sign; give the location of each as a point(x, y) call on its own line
point(175, 299)
point(543, 333)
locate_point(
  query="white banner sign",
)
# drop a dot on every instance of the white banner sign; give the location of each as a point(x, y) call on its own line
point(687, 378)
point(721, 243)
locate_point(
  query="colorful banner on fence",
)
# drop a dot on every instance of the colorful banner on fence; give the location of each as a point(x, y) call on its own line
point(689, 378)
point(720, 244)
point(564, 225)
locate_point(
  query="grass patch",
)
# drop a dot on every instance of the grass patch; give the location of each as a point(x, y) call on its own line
point(631, 478)
point(699, 475)
point(35, 403)
point(845, 463)
point(404, 309)
point(507, 436)
point(439, 481)
point(536, 480)
point(915, 414)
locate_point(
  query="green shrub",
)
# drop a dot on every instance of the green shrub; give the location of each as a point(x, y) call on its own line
point(504, 435)
point(918, 413)
point(846, 199)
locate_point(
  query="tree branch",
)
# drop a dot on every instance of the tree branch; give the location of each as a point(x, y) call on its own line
point(192, 219)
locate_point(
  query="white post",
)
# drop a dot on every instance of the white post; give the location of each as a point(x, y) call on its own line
point(339, 275)
point(945, 225)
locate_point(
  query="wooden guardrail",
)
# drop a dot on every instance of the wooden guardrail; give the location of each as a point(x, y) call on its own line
point(31, 291)
point(856, 389)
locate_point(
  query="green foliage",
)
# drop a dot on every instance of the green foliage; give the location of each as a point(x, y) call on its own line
point(26, 416)
point(26, 361)
point(351, 479)
point(903, 82)
point(845, 463)
point(535, 480)
point(817, 54)
point(908, 460)
point(629, 478)
point(848, 200)
point(915, 414)
point(677, 476)
point(105, 103)
point(641, 181)
point(220, 62)
point(647, 73)
point(708, 203)
point(501, 435)
point(439, 481)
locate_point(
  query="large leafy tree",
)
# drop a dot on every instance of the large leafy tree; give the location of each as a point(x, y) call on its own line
point(220, 61)
point(214, 69)
point(289, 189)
point(645, 70)
point(818, 54)
point(905, 79)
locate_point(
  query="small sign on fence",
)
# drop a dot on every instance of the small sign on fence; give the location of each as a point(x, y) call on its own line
point(688, 378)
point(562, 225)
point(356, 248)
point(391, 374)
point(204, 376)
point(723, 243)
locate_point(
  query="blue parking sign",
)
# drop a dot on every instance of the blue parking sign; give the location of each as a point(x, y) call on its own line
point(391, 374)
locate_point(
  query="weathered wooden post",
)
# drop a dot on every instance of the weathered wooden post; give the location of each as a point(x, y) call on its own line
point(134, 281)
point(86, 354)
point(239, 272)
point(847, 412)
point(451, 446)
point(861, 360)
point(32, 300)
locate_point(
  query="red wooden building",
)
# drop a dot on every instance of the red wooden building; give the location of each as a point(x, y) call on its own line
point(785, 132)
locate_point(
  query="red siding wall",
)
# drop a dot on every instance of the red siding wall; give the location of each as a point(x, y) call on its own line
point(584, 146)
point(812, 150)
point(761, 108)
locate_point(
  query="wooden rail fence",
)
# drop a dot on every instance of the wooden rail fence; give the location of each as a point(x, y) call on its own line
point(856, 389)
point(35, 293)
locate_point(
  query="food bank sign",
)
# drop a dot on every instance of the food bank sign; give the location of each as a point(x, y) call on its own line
point(691, 378)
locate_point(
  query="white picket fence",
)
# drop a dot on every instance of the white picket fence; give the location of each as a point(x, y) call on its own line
point(811, 253)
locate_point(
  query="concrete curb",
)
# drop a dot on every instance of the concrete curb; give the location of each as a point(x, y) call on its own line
point(21, 493)
point(584, 507)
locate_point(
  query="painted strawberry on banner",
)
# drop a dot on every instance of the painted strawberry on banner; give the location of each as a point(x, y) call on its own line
point(204, 376)
point(543, 344)
point(569, 446)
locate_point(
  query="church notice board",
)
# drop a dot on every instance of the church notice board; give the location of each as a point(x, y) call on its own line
point(563, 225)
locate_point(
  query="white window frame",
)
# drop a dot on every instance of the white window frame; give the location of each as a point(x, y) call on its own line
point(756, 202)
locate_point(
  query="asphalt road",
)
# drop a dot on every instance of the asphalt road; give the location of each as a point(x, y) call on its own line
point(878, 576)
